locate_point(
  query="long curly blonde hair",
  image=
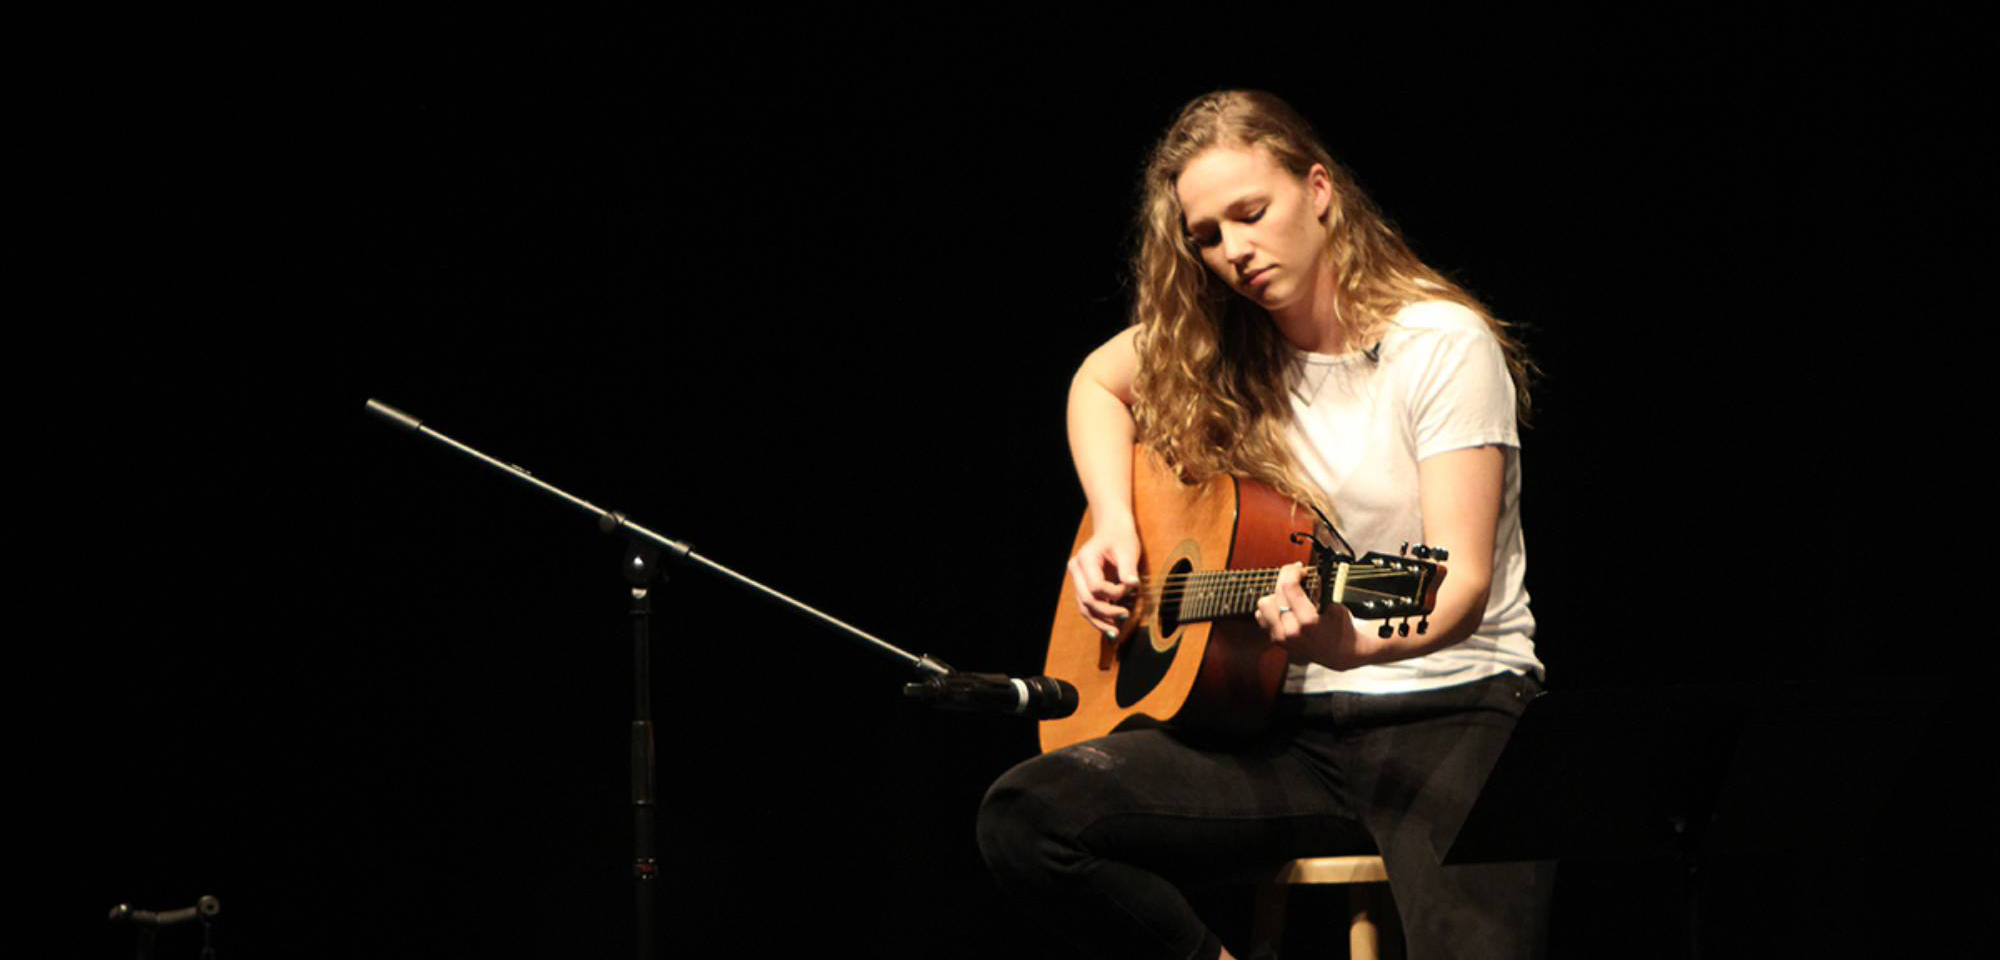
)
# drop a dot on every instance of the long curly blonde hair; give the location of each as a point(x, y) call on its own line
point(1213, 371)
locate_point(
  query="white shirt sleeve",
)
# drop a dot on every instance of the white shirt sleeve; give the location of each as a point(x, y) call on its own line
point(1461, 392)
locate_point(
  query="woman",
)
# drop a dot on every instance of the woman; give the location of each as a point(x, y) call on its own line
point(1283, 331)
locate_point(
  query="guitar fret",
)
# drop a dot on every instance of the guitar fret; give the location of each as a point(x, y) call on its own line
point(1213, 594)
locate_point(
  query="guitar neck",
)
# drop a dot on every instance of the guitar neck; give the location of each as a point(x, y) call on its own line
point(1217, 594)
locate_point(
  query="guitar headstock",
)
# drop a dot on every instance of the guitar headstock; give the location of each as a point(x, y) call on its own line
point(1381, 586)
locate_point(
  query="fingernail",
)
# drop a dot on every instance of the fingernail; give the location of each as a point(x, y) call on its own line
point(1110, 634)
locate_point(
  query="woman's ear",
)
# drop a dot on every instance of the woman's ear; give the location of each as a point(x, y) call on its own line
point(1319, 187)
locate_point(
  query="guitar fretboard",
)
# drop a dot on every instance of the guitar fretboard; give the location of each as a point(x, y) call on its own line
point(1214, 594)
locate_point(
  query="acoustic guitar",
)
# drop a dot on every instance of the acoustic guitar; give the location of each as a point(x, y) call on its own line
point(1190, 654)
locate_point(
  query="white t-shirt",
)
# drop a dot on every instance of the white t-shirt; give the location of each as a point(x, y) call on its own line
point(1438, 382)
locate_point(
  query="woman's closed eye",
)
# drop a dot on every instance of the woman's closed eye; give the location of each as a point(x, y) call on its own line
point(1209, 238)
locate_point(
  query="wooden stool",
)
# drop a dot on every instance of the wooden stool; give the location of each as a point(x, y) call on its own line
point(1369, 908)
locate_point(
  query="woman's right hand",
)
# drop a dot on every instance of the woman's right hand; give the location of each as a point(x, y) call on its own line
point(1105, 572)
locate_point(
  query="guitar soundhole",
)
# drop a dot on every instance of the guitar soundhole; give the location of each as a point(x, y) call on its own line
point(1147, 656)
point(1170, 597)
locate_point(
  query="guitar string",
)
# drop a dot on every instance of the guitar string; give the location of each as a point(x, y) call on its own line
point(1225, 587)
point(1352, 594)
point(1251, 596)
point(1267, 576)
point(1260, 589)
point(1209, 581)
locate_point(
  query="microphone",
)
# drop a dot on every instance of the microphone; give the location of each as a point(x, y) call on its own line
point(206, 908)
point(1038, 698)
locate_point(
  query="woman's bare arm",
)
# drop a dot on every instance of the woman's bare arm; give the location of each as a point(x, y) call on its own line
point(1101, 433)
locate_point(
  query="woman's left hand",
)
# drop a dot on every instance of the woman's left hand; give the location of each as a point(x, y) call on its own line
point(1310, 635)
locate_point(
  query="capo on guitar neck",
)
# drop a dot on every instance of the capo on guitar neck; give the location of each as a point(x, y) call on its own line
point(1324, 554)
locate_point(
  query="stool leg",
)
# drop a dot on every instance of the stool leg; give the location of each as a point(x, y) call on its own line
point(1364, 936)
point(1372, 932)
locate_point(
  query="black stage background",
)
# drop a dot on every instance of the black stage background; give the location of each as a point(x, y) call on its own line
point(808, 293)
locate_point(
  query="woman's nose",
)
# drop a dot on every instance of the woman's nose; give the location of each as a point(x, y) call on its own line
point(1232, 246)
point(1235, 248)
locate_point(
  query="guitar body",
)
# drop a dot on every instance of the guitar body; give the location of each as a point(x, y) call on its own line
point(1217, 674)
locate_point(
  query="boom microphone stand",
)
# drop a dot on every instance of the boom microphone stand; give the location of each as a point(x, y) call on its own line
point(938, 683)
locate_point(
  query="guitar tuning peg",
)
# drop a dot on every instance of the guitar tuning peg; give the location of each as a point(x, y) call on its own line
point(1441, 554)
point(1386, 632)
point(1403, 629)
point(1423, 626)
point(1422, 552)
point(1404, 549)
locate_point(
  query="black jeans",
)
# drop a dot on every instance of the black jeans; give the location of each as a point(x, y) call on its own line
point(1097, 837)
